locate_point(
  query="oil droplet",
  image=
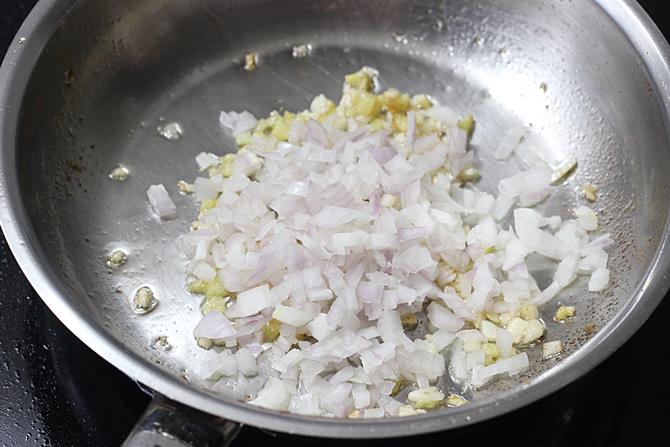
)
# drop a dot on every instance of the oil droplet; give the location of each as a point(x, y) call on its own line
point(171, 131)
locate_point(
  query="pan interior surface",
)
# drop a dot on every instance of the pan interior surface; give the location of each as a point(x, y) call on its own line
point(115, 71)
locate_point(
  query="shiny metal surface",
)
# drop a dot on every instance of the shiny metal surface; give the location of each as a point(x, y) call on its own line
point(169, 424)
point(86, 83)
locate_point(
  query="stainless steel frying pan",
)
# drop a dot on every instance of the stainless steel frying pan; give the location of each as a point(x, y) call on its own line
point(86, 83)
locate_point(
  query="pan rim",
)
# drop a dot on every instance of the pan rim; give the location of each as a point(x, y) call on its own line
point(46, 16)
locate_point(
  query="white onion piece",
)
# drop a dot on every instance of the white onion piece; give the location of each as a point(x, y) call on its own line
point(361, 395)
point(587, 218)
point(206, 160)
point(319, 327)
point(292, 358)
point(457, 367)
point(411, 130)
point(343, 375)
point(246, 363)
point(206, 188)
point(214, 326)
point(227, 120)
point(201, 250)
point(425, 143)
point(470, 335)
point(504, 340)
point(373, 413)
point(247, 163)
point(443, 319)
point(293, 317)
point(306, 404)
point(204, 271)
point(566, 271)
point(274, 395)
point(409, 234)
point(319, 294)
point(369, 332)
point(475, 359)
point(442, 339)
point(503, 205)
point(390, 329)
point(413, 260)
point(512, 366)
point(548, 294)
point(443, 114)
point(161, 203)
point(456, 304)
point(250, 302)
point(335, 216)
point(592, 262)
point(315, 248)
point(530, 187)
point(342, 241)
point(599, 243)
point(509, 142)
point(599, 280)
point(213, 365)
point(383, 241)
point(369, 293)
point(244, 123)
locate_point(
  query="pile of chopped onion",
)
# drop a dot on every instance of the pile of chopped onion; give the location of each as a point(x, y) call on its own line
point(324, 236)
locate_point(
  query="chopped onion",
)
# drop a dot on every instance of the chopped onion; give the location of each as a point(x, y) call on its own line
point(246, 363)
point(333, 234)
point(319, 327)
point(161, 203)
point(566, 270)
point(293, 317)
point(206, 160)
point(509, 142)
point(335, 216)
point(599, 280)
point(245, 122)
point(319, 294)
point(443, 319)
point(504, 340)
point(250, 302)
point(274, 395)
point(411, 130)
point(587, 218)
point(413, 260)
point(214, 326)
point(512, 366)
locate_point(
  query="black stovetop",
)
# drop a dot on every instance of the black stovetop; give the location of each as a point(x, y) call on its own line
point(56, 391)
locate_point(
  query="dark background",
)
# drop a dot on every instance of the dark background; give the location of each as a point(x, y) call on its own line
point(55, 391)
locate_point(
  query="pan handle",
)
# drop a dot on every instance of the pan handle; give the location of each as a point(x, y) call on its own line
point(166, 423)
